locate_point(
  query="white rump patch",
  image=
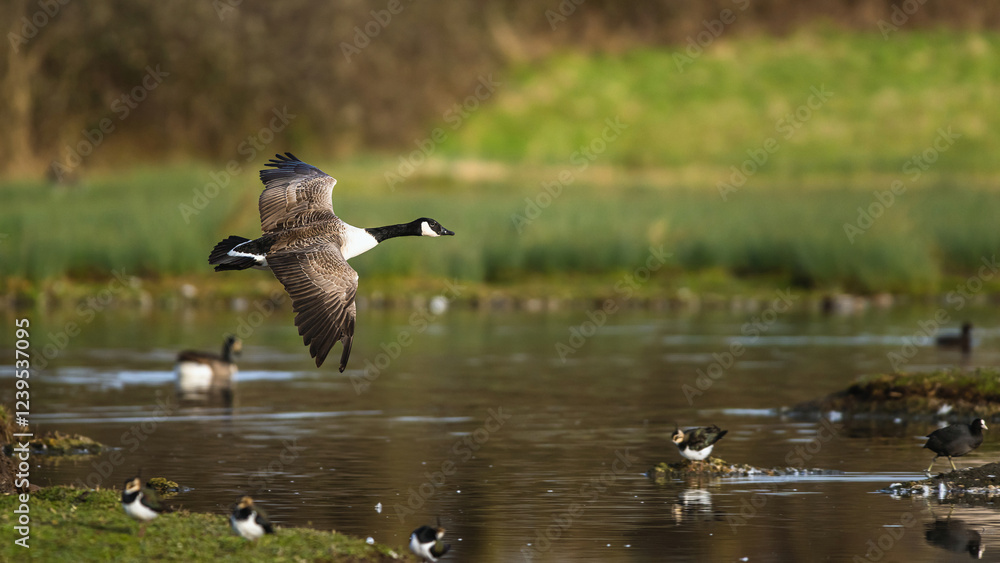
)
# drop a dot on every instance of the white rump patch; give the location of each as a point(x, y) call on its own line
point(259, 258)
point(426, 230)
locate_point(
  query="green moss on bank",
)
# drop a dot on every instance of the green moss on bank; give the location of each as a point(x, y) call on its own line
point(69, 524)
point(962, 393)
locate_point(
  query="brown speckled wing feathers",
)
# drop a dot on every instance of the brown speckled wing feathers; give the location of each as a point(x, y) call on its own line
point(322, 287)
point(295, 194)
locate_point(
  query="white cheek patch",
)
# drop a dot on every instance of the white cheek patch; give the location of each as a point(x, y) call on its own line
point(426, 230)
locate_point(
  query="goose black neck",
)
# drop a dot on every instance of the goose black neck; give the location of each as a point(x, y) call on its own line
point(392, 231)
point(227, 350)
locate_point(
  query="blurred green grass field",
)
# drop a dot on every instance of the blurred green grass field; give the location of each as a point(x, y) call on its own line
point(927, 236)
point(887, 100)
point(655, 184)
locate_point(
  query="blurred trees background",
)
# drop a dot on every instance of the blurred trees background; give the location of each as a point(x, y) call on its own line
point(229, 64)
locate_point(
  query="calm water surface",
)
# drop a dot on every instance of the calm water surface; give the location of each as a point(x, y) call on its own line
point(528, 441)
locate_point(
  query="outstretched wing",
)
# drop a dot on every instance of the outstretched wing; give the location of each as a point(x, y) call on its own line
point(322, 287)
point(295, 194)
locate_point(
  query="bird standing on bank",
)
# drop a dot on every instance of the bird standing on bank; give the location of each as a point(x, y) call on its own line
point(955, 441)
point(426, 542)
point(696, 444)
point(307, 247)
point(249, 521)
point(140, 503)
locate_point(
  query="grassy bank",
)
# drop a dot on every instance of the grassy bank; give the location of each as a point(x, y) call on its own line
point(69, 524)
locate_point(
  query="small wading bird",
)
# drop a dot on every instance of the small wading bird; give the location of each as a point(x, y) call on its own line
point(249, 521)
point(426, 543)
point(307, 247)
point(696, 444)
point(141, 503)
point(200, 373)
point(955, 441)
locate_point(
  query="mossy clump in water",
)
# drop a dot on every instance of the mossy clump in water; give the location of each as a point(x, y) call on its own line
point(960, 393)
point(164, 487)
point(51, 443)
point(57, 443)
point(717, 467)
point(981, 482)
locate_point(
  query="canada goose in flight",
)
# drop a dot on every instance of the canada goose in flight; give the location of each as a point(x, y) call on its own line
point(204, 372)
point(307, 247)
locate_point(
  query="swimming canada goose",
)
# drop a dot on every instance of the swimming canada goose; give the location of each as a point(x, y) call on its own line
point(249, 521)
point(962, 340)
point(955, 441)
point(307, 247)
point(426, 543)
point(204, 372)
point(696, 444)
point(140, 503)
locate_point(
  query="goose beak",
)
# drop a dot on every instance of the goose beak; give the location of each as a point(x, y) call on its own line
point(446, 232)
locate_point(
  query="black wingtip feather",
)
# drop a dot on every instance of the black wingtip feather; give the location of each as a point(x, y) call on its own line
point(283, 166)
point(278, 161)
point(318, 354)
point(346, 354)
point(220, 253)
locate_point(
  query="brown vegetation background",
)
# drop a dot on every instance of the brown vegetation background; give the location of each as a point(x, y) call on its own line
point(231, 62)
